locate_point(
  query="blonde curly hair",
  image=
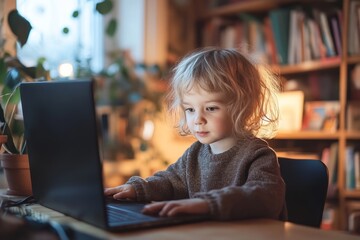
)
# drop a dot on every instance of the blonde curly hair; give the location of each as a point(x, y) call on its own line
point(250, 89)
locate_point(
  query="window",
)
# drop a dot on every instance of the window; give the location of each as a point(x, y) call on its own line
point(82, 46)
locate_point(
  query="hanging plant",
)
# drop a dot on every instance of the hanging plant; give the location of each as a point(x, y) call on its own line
point(19, 26)
point(12, 73)
point(103, 8)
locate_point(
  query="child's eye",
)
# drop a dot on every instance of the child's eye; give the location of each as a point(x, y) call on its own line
point(211, 109)
point(189, 110)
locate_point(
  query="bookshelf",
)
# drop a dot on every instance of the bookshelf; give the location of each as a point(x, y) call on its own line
point(221, 22)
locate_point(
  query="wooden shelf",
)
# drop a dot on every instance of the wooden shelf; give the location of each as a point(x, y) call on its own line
point(354, 135)
point(353, 59)
point(311, 135)
point(352, 193)
point(248, 6)
point(339, 66)
point(309, 66)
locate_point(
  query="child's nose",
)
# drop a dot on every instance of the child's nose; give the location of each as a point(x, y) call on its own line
point(199, 119)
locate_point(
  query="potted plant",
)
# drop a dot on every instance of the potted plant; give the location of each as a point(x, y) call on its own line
point(13, 157)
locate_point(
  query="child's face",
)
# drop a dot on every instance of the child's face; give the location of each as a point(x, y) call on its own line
point(208, 119)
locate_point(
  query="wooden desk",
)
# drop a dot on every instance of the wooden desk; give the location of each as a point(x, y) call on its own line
point(248, 229)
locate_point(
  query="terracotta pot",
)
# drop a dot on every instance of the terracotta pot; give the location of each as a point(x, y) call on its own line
point(17, 173)
point(3, 139)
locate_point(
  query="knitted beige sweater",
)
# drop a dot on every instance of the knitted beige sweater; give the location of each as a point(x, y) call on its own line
point(243, 182)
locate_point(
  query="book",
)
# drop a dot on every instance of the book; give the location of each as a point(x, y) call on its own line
point(357, 169)
point(280, 24)
point(211, 31)
point(321, 115)
point(353, 116)
point(293, 36)
point(270, 42)
point(336, 30)
point(329, 43)
point(332, 168)
point(353, 34)
point(354, 222)
point(325, 156)
point(355, 83)
point(291, 105)
point(228, 37)
point(305, 30)
point(316, 45)
point(330, 216)
point(349, 167)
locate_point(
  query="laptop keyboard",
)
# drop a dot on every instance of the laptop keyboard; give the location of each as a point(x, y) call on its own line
point(116, 214)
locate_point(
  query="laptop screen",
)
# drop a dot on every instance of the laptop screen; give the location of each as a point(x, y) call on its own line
point(62, 140)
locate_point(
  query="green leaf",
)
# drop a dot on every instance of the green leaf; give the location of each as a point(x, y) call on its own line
point(111, 28)
point(65, 30)
point(19, 26)
point(40, 69)
point(75, 14)
point(104, 7)
point(2, 71)
point(15, 97)
point(5, 94)
point(18, 128)
point(41, 60)
point(9, 146)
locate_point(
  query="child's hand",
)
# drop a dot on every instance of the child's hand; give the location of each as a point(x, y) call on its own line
point(177, 207)
point(125, 191)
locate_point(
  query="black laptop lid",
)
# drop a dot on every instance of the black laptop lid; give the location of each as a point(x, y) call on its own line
point(61, 132)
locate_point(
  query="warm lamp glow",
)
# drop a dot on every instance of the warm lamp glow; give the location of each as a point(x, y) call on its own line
point(66, 70)
point(148, 130)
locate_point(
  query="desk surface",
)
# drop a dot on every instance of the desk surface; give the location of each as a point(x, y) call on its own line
point(248, 229)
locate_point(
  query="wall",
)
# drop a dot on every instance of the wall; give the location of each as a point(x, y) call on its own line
point(10, 43)
point(142, 30)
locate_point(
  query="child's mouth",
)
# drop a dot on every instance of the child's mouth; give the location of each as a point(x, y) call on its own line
point(202, 134)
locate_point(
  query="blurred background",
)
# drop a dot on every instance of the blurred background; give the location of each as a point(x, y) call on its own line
point(129, 47)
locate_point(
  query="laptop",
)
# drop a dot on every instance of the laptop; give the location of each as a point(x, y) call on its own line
point(63, 137)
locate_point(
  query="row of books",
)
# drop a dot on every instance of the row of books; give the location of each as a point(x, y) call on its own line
point(330, 157)
point(315, 37)
point(321, 115)
point(353, 116)
point(331, 215)
point(352, 167)
point(354, 28)
point(284, 36)
point(296, 115)
point(218, 3)
point(330, 220)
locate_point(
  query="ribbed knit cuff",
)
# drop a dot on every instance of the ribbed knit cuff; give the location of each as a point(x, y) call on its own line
point(139, 190)
point(214, 210)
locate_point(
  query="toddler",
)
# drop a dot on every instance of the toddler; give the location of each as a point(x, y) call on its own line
point(223, 100)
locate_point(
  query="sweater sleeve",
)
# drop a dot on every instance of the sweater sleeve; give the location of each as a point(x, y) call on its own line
point(163, 185)
point(262, 195)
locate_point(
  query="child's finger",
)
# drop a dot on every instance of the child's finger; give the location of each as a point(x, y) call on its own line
point(177, 210)
point(153, 208)
point(111, 191)
point(123, 194)
point(168, 207)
